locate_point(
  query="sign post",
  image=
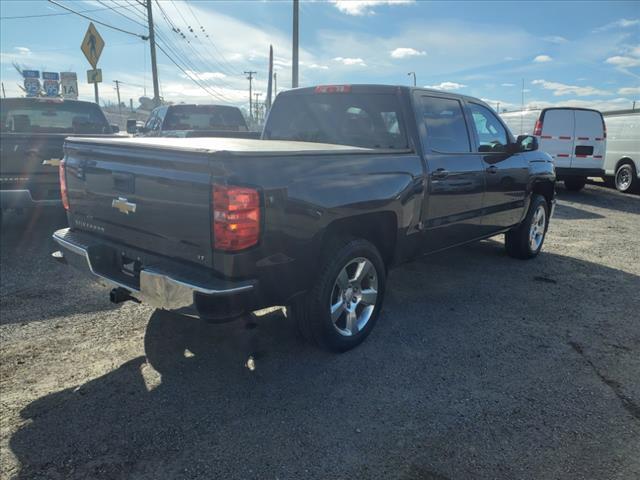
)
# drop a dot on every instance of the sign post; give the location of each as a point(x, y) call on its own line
point(92, 46)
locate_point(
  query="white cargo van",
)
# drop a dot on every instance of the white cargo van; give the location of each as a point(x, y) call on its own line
point(574, 137)
point(622, 160)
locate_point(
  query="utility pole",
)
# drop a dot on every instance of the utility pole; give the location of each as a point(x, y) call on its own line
point(257, 105)
point(275, 84)
point(117, 82)
point(294, 66)
point(154, 66)
point(498, 107)
point(414, 77)
point(250, 75)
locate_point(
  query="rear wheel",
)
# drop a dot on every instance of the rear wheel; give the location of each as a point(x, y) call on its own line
point(625, 179)
point(575, 184)
point(525, 241)
point(342, 307)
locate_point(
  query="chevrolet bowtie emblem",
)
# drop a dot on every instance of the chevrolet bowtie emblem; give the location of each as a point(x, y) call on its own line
point(123, 205)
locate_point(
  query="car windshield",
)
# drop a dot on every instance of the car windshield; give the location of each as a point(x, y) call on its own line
point(52, 117)
point(361, 120)
point(203, 117)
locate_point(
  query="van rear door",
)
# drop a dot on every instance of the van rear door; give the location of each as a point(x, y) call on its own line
point(589, 144)
point(556, 138)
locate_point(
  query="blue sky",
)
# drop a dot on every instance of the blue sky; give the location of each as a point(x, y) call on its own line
point(567, 53)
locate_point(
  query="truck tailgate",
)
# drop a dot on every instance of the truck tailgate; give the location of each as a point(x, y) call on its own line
point(152, 199)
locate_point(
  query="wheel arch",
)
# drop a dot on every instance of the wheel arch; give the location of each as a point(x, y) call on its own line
point(379, 228)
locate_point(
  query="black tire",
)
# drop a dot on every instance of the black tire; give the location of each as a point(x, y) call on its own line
point(311, 312)
point(625, 179)
point(575, 184)
point(518, 241)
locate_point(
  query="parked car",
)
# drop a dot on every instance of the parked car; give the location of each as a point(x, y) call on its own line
point(622, 160)
point(574, 137)
point(348, 181)
point(32, 134)
point(196, 121)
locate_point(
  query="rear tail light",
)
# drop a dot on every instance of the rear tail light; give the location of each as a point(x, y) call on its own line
point(604, 129)
point(333, 89)
point(236, 217)
point(537, 130)
point(64, 193)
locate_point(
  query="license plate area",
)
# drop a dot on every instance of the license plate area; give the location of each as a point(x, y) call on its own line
point(130, 267)
point(115, 265)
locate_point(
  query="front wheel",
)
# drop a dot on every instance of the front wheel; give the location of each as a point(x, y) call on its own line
point(342, 307)
point(525, 241)
point(625, 178)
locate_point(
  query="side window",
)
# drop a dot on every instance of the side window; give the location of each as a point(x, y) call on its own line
point(492, 136)
point(445, 125)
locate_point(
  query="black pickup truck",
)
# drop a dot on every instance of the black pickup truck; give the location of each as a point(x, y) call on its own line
point(32, 135)
point(347, 181)
point(195, 121)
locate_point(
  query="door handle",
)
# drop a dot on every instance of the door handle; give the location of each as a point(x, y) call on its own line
point(440, 173)
point(492, 169)
point(52, 162)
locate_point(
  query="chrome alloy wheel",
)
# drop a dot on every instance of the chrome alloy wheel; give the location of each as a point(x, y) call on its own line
point(353, 298)
point(538, 224)
point(623, 178)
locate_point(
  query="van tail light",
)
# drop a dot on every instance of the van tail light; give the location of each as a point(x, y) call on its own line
point(64, 193)
point(537, 130)
point(604, 129)
point(236, 217)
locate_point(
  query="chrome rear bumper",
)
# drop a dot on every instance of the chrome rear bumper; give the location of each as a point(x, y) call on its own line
point(154, 285)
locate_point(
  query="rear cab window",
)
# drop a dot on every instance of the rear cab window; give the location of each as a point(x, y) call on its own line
point(204, 117)
point(370, 120)
point(47, 116)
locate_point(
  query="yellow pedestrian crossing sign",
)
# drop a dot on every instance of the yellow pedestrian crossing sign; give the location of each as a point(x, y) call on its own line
point(92, 45)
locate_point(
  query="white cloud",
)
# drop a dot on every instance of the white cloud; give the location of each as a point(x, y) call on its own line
point(23, 50)
point(204, 75)
point(507, 84)
point(403, 52)
point(555, 39)
point(316, 66)
point(350, 61)
point(447, 86)
point(629, 91)
point(623, 62)
point(364, 7)
point(602, 105)
point(622, 23)
point(542, 59)
point(560, 89)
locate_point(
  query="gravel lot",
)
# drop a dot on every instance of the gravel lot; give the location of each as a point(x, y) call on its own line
point(481, 366)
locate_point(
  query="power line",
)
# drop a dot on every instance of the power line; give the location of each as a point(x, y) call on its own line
point(56, 14)
point(185, 72)
point(143, 37)
point(122, 14)
point(231, 67)
point(175, 29)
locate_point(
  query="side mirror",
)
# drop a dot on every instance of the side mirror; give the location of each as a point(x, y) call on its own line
point(115, 128)
point(132, 126)
point(527, 143)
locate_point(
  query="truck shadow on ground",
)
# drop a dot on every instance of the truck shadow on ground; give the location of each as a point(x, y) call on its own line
point(33, 287)
point(470, 372)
